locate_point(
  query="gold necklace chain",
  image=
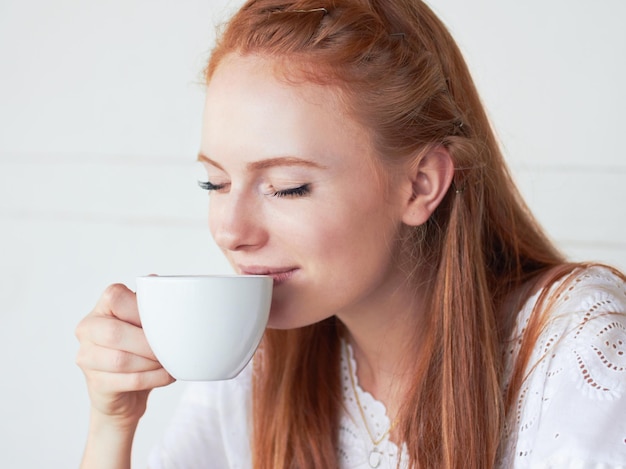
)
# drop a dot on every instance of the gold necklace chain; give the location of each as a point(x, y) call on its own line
point(375, 442)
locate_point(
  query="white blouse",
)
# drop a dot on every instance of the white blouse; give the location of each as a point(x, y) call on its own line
point(571, 410)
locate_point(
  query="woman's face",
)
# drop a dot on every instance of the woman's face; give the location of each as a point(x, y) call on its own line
point(295, 194)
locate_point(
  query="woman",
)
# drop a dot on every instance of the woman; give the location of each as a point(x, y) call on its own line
point(420, 316)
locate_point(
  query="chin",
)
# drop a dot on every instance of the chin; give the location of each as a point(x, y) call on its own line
point(286, 320)
point(283, 323)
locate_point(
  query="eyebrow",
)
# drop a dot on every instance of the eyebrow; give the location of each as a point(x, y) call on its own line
point(268, 163)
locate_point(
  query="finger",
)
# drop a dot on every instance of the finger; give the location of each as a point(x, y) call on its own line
point(113, 333)
point(97, 358)
point(119, 301)
point(112, 383)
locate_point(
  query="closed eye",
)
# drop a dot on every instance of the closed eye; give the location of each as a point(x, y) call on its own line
point(209, 186)
point(299, 191)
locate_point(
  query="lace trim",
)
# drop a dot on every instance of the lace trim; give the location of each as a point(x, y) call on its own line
point(354, 441)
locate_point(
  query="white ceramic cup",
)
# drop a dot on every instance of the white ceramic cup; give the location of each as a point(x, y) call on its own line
point(204, 328)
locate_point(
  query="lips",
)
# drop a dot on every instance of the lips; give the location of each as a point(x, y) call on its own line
point(279, 274)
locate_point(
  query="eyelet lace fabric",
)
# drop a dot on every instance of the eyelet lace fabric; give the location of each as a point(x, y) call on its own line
point(571, 408)
point(570, 412)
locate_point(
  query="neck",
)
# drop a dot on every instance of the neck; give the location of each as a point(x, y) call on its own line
point(383, 337)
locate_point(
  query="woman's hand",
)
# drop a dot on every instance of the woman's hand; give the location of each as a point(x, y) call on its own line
point(118, 363)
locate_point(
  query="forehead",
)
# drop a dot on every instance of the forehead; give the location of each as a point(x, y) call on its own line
point(291, 73)
point(251, 101)
point(253, 80)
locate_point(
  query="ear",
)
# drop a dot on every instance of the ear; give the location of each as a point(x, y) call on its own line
point(427, 182)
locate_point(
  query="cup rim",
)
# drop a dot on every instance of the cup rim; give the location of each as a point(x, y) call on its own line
point(200, 276)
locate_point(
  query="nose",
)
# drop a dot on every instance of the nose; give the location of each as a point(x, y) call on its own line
point(236, 222)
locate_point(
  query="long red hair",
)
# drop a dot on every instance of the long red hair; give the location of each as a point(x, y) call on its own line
point(402, 76)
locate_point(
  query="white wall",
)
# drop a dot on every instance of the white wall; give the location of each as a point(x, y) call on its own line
point(99, 125)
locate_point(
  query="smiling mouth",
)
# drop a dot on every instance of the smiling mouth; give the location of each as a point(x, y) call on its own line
point(280, 275)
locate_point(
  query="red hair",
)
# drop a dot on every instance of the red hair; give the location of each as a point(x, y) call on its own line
point(401, 75)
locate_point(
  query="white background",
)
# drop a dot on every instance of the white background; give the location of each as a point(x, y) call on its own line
point(100, 106)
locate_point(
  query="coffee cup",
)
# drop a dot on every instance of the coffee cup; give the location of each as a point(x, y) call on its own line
point(204, 327)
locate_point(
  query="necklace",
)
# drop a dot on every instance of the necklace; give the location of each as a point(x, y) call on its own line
point(376, 455)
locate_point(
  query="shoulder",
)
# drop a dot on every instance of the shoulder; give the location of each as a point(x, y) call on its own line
point(594, 290)
point(575, 381)
point(584, 330)
point(587, 289)
point(576, 304)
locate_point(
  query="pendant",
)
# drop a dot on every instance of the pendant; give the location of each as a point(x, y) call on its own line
point(376, 457)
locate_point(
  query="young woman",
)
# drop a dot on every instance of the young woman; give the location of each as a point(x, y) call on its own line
point(420, 316)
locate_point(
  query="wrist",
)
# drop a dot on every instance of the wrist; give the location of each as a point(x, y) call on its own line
point(103, 422)
point(109, 441)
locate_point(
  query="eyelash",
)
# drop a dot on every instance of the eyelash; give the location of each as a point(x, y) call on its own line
point(294, 192)
point(300, 191)
point(208, 186)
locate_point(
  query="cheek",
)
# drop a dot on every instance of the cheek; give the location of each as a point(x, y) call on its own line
point(318, 226)
point(349, 238)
